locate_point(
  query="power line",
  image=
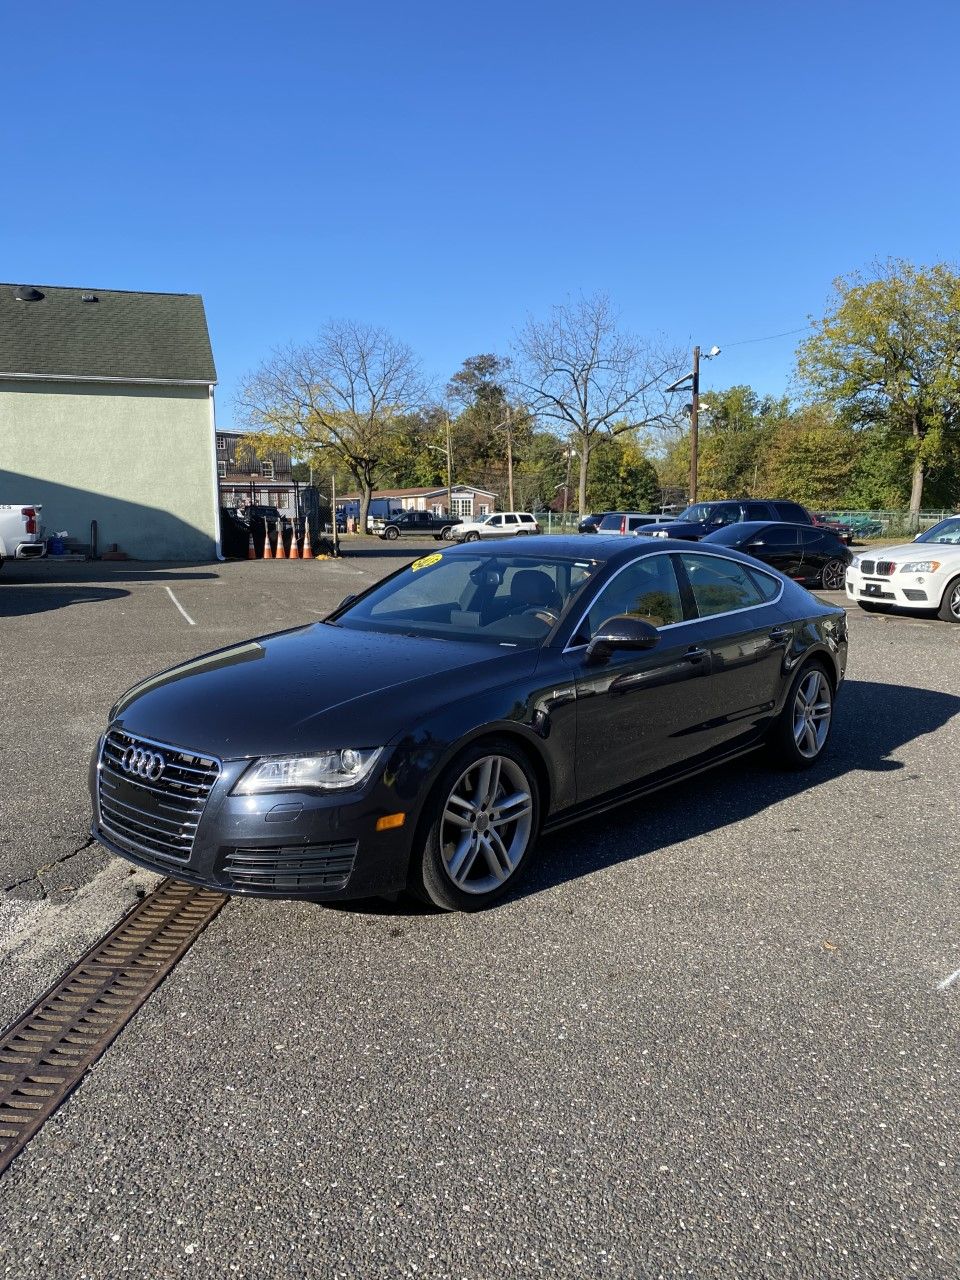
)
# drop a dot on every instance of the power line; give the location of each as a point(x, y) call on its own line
point(769, 338)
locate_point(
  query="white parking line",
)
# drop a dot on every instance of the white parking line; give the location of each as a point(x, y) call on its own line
point(949, 980)
point(180, 607)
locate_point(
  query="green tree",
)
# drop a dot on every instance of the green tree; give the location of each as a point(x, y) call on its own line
point(887, 357)
point(622, 477)
point(811, 458)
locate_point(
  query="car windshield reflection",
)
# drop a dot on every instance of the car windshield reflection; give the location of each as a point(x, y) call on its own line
point(511, 599)
point(947, 531)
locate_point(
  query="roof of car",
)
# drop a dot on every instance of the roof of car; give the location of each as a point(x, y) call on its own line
point(576, 546)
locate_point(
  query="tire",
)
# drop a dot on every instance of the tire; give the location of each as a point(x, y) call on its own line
point(447, 534)
point(391, 534)
point(458, 867)
point(949, 610)
point(874, 606)
point(833, 575)
point(472, 537)
point(802, 729)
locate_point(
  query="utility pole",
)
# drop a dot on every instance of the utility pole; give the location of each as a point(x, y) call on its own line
point(566, 487)
point(510, 456)
point(333, 512)
point(449, 473)
point(694, 425)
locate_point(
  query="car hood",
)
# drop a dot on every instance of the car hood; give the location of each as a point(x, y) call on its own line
point(913, 551)
point(675, 529)
point(316, 687)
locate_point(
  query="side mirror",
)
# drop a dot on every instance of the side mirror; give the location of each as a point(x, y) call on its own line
point(621, 632)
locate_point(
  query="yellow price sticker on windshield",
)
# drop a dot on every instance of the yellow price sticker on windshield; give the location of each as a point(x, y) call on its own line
point(427, 561)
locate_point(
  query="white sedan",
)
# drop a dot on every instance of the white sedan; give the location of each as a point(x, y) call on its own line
point(923, 574)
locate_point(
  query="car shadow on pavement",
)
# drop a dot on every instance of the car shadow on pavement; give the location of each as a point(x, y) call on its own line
point(15, 603)
point(872, 721)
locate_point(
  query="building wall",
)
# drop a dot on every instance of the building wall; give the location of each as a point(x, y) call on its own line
point(139, 460)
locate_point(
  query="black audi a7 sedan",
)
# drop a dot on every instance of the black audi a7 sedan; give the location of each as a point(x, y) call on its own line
point(810, 555)
point(425, 733)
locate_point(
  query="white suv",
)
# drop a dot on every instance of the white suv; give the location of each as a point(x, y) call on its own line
point(503, 524)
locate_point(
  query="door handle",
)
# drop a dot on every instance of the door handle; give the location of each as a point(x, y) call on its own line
point(694, 654)
point(779, 634)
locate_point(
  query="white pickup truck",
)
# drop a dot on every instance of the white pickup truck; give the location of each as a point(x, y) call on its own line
point(21, 534)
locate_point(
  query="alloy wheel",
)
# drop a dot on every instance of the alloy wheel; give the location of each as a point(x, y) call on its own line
point(486, 824)
point(834, 575)
point(812, 710)
point(954, 605)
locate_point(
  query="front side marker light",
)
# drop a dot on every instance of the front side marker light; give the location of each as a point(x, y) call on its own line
point(390, 821)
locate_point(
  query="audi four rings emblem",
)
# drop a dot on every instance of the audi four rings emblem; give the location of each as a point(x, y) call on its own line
point(143, 764)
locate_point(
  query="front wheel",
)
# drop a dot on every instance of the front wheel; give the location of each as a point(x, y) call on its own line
point(481, 824)
point(833, 575)
point(949, 610)
point(803, 726)
point(447, 535)
point(391, 534)
point(472, 537)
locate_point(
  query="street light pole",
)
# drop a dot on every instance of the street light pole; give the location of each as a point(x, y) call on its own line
point(566, 488)
point(333, 512)
point(510, 456)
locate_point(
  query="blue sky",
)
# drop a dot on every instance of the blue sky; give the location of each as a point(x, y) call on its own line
point(445, 169)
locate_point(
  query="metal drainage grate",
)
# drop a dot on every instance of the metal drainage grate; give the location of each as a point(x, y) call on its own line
point(45, 1053)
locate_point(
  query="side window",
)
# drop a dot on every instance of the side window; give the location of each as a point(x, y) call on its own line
point(495, 521)
point(757, 511)
point(770, 588)
point(720, 586)
point(811, 539)
point(780, 537)
point(724, 513)
point(792, 511)
point(647, 590)
point(510, 519)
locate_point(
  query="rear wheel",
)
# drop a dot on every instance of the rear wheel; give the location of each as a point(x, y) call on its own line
point(833, 575)
point(949, 610)
point(480, 826)
point(803, 726)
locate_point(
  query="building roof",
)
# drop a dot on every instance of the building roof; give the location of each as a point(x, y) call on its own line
point(49, 331)
point(433, 491)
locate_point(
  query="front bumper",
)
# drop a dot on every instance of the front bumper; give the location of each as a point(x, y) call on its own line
point(290, 845)
point(904, 590)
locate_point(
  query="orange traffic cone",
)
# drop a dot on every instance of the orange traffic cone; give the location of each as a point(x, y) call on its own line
point(307, 549)
point(294, 549)
point(281, 553)
point(267, 549)
point(251, 549)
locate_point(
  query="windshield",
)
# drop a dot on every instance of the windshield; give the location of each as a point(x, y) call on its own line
point(946, 531)
point(732, 535)
point(699, 511)
point(507, 599)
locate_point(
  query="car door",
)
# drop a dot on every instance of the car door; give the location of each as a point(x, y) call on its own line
point(510, 523)
point(637, 713)
point(492, 528)
point(817, 548)
point(744, 634)
point(777, 545)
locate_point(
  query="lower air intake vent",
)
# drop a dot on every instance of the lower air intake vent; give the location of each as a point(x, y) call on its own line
point(296, 867)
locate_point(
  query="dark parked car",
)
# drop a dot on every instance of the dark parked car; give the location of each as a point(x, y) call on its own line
point(703, 517)
point(427, 731)
point(843, 531)
point(234, 533)
point(815, 557)
point(589, 523)
point(405, 524)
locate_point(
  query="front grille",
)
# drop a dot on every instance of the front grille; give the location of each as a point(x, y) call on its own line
point(885, 568)
point(867, 566)
point(154, 817)
point(296, 867)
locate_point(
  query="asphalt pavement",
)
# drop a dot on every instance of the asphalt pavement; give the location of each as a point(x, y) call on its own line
point(713, 1035)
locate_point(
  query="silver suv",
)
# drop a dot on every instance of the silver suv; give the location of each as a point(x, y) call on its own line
point(502, 524)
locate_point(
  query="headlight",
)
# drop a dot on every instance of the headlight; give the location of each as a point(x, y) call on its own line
point(659, 533)
point(854, 563)
point(330, 771)
point(920, 566)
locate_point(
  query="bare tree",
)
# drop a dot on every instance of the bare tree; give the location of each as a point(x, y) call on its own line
point(577, 370)
point(342, 395)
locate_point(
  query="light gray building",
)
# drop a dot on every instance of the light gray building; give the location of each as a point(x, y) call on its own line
point(106, 414)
